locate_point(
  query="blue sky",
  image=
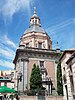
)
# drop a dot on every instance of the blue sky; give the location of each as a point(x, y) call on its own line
point(57, 18)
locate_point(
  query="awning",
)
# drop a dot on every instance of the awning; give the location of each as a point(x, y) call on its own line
point(4, 89)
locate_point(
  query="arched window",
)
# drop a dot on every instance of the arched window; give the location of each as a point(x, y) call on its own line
point(40, 45)
point(27, 44)
point(35, 21)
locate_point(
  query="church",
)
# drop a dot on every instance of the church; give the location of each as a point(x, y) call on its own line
point(35, 47)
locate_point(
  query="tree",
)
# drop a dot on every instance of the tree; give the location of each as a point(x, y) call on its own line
point(59, 79)
point(35, 79)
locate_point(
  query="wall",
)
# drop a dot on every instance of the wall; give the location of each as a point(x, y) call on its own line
point(54, 98)
point(28, 98)
point(67, 92)
point(40, 98)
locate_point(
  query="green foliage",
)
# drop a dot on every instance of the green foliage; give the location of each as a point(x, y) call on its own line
point(60, 54)
point(59, 80)
point(35, 79)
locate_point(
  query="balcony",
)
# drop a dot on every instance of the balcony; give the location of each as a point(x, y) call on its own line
point(46, 80)
point(42, 69)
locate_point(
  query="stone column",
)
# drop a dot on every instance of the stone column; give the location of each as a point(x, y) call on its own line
point(33, 41)
point(20, 71)
point(25, 74)
point(16, 74)
point(23, 71)
point(46, 43)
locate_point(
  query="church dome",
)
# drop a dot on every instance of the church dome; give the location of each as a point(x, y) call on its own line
point(35, 36)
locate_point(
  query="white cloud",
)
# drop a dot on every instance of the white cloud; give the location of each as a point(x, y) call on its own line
point(10, 7)
point(6, 52)
point(6, 41)
point(9, 42)
point(64, 33)
point(6, 64)
point(60, 25)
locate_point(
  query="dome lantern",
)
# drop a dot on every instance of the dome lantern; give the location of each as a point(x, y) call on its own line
point(35, 20)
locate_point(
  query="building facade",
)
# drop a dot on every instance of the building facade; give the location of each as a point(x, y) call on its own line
point(35, 47)
point(7, 78)
point(68, 74)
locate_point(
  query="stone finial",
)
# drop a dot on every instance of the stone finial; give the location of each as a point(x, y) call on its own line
point(34, 10)
point(57, 47)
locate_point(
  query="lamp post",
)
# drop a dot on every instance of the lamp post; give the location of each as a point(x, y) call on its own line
point(20, 75)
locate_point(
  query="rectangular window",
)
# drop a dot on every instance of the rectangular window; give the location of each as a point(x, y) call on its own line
point(70, 68)
point(72, 83)
point(40, 45)
point(41, 64)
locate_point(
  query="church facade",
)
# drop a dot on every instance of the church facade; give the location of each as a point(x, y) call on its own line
point(35, 47)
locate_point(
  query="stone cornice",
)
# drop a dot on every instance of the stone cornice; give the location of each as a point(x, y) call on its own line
point(35, 51)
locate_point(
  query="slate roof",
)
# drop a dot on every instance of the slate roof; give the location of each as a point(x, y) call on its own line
point(35, 28)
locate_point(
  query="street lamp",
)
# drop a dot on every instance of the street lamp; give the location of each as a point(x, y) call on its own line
point(20, 76)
